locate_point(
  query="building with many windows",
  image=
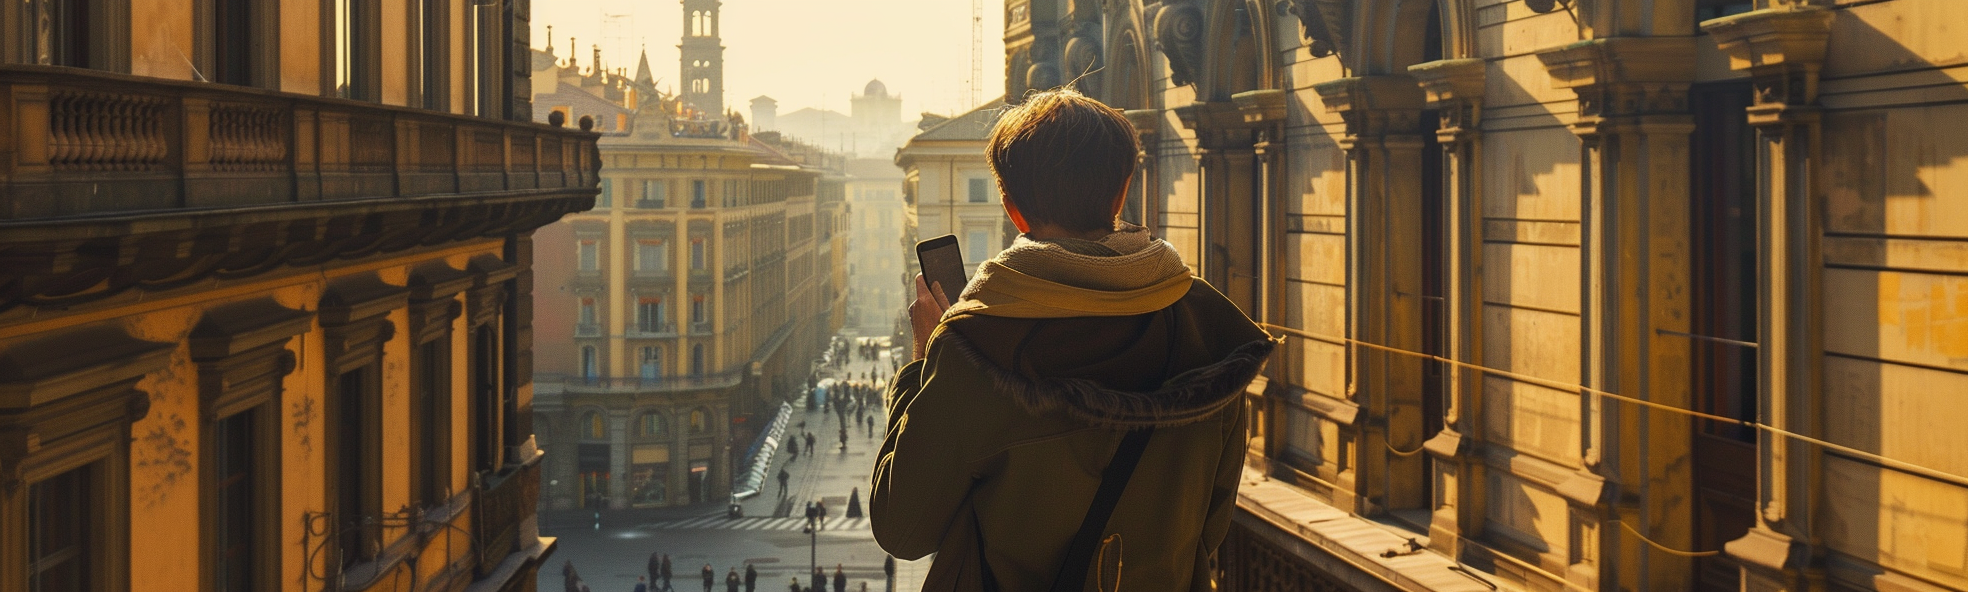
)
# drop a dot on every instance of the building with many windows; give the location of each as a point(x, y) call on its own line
point(265, 311)
point(947, 187)
point(879, 250)
point(679, 313)
point(1580, 294)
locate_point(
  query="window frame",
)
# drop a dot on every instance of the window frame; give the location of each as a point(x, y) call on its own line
point(242, 356)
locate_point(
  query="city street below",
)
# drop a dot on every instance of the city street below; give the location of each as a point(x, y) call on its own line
point(610, 553)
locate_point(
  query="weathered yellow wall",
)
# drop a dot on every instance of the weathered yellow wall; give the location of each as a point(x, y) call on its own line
point(161, 39)
point(300, 46)
point(164, 462)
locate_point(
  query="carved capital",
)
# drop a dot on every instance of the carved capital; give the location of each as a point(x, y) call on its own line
point(1374, 106)
point(1179, 35)
point(1782, 48)
point(1147, 122)
point(1623, 77)
point(1455, 89)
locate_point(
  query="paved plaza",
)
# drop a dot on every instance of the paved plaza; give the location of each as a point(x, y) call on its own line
point(609, 554)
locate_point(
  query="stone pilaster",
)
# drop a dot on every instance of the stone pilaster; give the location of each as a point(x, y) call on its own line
point(1454, 89)
point(1633, 125)
point(1383, 146)
point(1783, 50)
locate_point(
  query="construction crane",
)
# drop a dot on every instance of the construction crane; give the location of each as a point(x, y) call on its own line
point(976, 52)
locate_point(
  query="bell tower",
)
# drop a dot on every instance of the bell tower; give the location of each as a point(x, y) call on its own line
point(702, 56)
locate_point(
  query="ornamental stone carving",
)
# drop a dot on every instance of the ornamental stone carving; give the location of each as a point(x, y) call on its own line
point(1179, 34)
point(1082, 57)
point(1325, 24)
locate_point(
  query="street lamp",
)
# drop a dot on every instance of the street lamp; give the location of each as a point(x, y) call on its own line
point(813, 544)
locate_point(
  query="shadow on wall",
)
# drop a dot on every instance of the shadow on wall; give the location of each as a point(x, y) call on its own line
point(1896, 337)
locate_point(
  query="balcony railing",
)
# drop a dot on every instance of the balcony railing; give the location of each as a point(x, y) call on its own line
point(503, 504)
point(85, 142)
point(578, 384)
point(587, 330)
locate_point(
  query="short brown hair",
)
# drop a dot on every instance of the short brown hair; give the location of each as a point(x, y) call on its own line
point(1062, 158)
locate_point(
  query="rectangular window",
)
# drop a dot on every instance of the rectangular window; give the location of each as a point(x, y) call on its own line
point(650, 316)
point(355, 467)
point(697, 192)
point(357, 50)
point(229, 47)
point(235, 506)
point(977, 245)
point(652, 256)
point(697, 310)
point(979, 188)
point(56, 32)
point(430, 446)
point(590, 256)
point(60, 537)
point(652, 365)
point(655, 194)
point(605, 199)
point(486, 403)
point(587, 311)
point(486, 43)
point(435, 53)
point(697, 256)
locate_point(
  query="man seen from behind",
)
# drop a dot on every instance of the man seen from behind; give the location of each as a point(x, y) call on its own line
point(1077, 410)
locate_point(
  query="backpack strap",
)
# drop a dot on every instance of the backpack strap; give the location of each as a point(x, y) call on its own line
point(1113, 480)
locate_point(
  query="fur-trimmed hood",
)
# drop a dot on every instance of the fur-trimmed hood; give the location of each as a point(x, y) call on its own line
point(1170, 367)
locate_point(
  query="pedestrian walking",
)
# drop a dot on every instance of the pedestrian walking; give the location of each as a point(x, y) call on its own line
point(819, 579)
point(751, 578)
point(666, 572)
point(854, 503)
point(710, 577)
point(821, 507)
point(793, 448)
point(640, 585)
point(843, 435)
point(809, 440)
point(656, 567)
point(796, 585)
point(731, 580)
point(783, 477)
point(871, 427)
point(840, 579)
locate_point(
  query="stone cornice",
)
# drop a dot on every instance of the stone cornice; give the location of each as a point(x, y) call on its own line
point(1625, 80)
point(1621, 60)
point(1449, 81)
point(1782, 48)
point(1374, 106)
point(79, 260)
point(1261, 107)
point(1773, 37)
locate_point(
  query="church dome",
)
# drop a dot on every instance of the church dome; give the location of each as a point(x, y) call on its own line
point(875, 89)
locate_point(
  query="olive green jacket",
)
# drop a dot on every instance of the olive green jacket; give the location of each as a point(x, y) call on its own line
point(997, 439)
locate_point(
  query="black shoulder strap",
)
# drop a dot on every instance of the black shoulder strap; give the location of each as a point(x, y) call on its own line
point(1113, 480)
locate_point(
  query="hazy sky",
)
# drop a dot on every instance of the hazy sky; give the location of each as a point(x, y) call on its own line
point(805, 53)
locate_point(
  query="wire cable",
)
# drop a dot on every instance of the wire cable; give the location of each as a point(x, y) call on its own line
point(1664, 548)
point(1884, 461)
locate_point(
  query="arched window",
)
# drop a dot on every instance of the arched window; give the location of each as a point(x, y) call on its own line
point(699, 421)
point(594, 426)
point(651, 425)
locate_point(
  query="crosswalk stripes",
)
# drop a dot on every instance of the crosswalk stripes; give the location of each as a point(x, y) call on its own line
point(723, 523)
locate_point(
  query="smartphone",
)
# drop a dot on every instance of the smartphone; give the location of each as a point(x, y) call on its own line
point(942, 263)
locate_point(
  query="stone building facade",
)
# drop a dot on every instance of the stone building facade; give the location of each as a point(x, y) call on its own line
point(271, 331)
point(691, 301)
point(947, 187)
point(1513, 248)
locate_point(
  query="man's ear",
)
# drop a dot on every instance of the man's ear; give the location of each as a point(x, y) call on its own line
point(1017, 219)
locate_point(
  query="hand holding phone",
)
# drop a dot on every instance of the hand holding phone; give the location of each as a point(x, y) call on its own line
point(942, 264)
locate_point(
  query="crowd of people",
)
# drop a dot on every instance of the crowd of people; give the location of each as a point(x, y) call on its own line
point(660, 573)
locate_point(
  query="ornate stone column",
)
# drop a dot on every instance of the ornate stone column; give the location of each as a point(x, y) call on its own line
point(1455, 90)
point(1783, 49)
point(1226, 157)
point(1634, 127)
point(1383, 146)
